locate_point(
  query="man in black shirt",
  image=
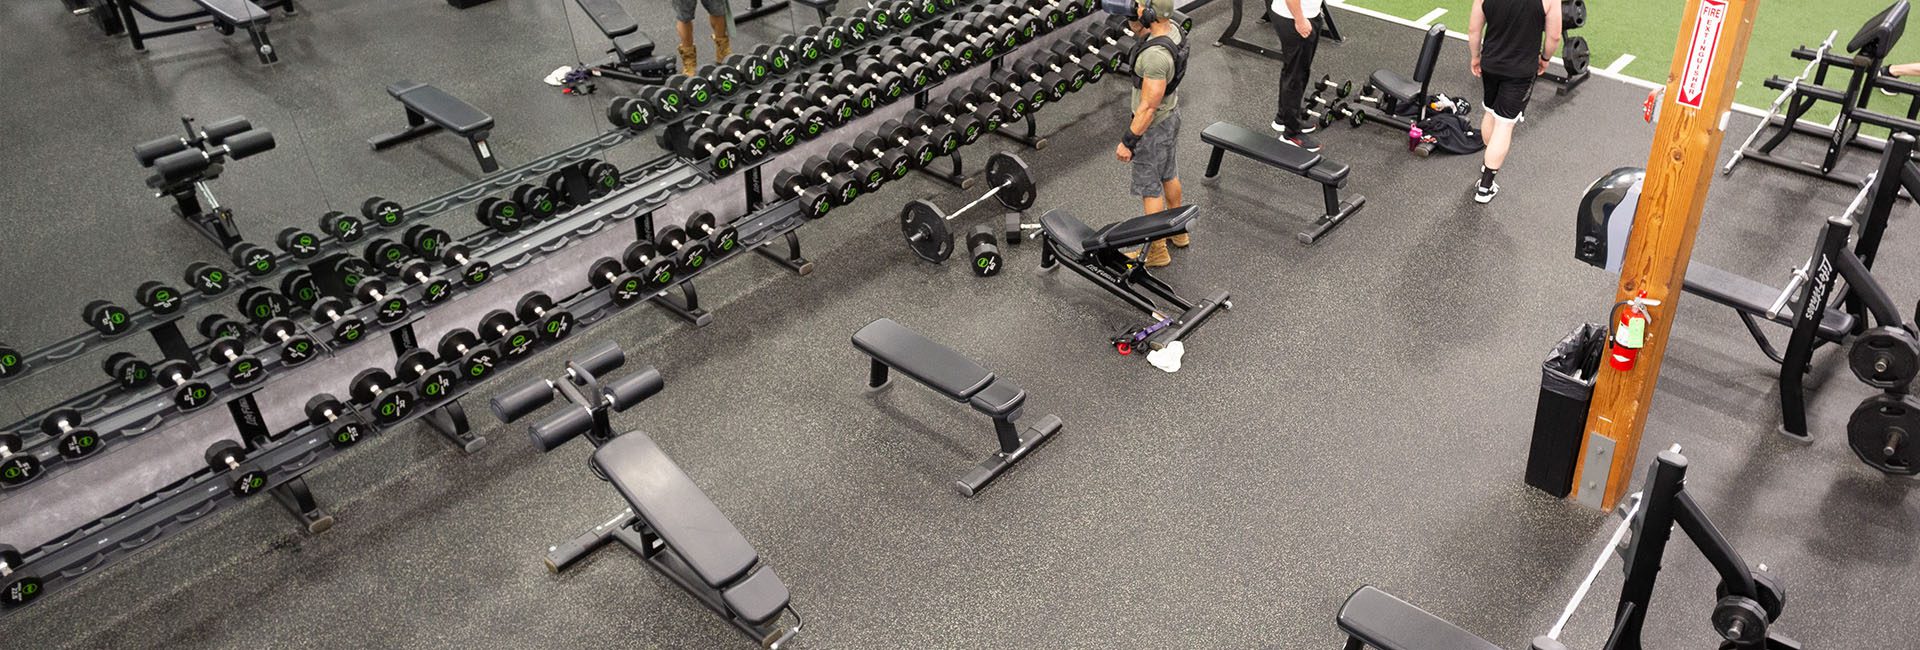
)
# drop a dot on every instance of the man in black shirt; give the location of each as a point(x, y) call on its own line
point(1505, 40)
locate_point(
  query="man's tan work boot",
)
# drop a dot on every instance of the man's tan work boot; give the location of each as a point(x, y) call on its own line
point(1178, 241)
point(1157, 255)
point(722, 41)
point(689, 59)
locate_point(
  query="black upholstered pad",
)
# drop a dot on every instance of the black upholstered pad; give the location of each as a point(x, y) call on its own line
point(612, 19)
point(667, 499)
point(919, 357)
point(1258, 146)
point(634, 46)
point(759, 598)
point(1073, 236)
point(1396, 86)
point(999, 399)
point(1747, 295)
point(235, 12)
point(451, 113)
point(1382, 621)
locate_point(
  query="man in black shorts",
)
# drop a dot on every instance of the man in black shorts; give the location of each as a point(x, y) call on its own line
point(1505, 40)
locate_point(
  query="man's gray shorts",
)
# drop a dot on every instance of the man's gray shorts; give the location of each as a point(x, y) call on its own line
point(1153, 158)
point(683, 9)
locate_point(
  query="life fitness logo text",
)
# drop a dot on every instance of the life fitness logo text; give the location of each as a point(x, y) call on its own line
point(1706, 39)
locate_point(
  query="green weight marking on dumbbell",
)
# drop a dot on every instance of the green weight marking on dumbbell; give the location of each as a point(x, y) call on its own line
point(546, 205)
point(790, 140)
point(263, 265)
point(9, 360)
point(810, 54)
point(821, 206)
point(395, 254)
point(726, 85)
point(834, 42)
point(727, 243)
point(866, 102)
point(350, 334)
point(846, 113)
point(519, 341)
point(307, 294)
point(433, 390)
point(477, 276)
point(350, 279)
point(906, 20)
point(507, 210)
point(663, 277)
point(609, 181)
point(199, 394)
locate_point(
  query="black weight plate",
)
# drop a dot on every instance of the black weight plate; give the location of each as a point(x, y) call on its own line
point(1008, 169)
point(1885, 357)
point(192, 395)
point(297, 351)
point(78, 443)
point(1885, 433)
point(924, 228)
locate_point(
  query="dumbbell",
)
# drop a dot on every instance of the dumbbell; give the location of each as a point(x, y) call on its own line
point(208, 279)
point(777, 57)
point(819, 197)
point(862, 90)
point(72, 440)
point(689, 254)
point(631, 113)
point(342, 226)
point(1111, 45)
point(602, 177)
point(388, 401)
point(721, 240)
point(127, 370)
point(919, 150)
point(872, 173)
point(417, 366)
point(723, 78)
point(188, 394)
point(1340, 91)
point(829, 39)
point(382, 212)
point(260, 304)
point(941, 59)
point(472, 272)
point(664, 101)
point(753, 66)
point(500, 328)
point(655, 270)
point(502, 215)
point(347, 330)
point(16, 466)
point(695, 92)
point(920, 124)
point(1092, 66)
point(435, 288)
point(295, 347)
point(1322, 115)
point(539, 202)
point(244, 479)
point(835, 104)
point(159, 297)
point(242, 369)
point(218, 326)
point(106, 318)
point(325, 410)
point(389, 308)
point(555, 324)
point(966, 126)
point(879, 20)
point(983, 251)
point(704, 144)
point(855, 29)
point(959, 100)
point(256, 261)
point(298, 243)
point(751, 144)
point(624, 289)
point(1012, 105)
point(16, 589)
point(299, 287)
point(1057, 80)
point(889, 84)
point(11, 361)
point(476, 360)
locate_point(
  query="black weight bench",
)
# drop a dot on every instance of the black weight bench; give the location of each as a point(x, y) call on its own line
point(224, 16)
point(1374, 618)
point(1100, 255)
point(1281, 154)
point(1400, 102)
point(431, 109)
point(631, 58)
point(893, 346)
point(1751, 298)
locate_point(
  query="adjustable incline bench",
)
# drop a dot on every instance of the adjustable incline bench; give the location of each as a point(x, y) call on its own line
point(670, 523)
point(431, 109)
point(631, 58)
point(893, 346)
point(224, 16)
point(1278, 153)
point(1100, 256)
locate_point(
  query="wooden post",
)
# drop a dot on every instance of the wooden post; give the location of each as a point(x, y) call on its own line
point(1707, 58)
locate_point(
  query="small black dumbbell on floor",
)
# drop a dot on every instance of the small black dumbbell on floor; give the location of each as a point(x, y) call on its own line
point(107, 318)
point(347, 330)
point(476, 360)
point(982, 250)
point(243, 479)
point(295, 347)
point(721, 240)
point(16, 588)
point(388, 308)
point(501, 329)
point(417, 366)
point(159, 297)
point(553, 324)
point(242, 369)
point(71, 439)
point(623, 288)
point(16, 466)
point(924, 225)
point(342, 226)
point(188, 394)
point(388, 401)
point(1325, 84)
point(127, 370)
point(343, 428)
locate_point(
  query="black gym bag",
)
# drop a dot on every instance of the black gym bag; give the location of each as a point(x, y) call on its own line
point(1450, 133)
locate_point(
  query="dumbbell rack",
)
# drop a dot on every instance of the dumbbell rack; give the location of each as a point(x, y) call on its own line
point(289, 453)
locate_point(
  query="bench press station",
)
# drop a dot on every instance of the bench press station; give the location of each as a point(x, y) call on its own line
point(1283, 155)
point(1099, 255)
point(224, 16)
point(894, 347)
point(670, 523)
point(431, 109)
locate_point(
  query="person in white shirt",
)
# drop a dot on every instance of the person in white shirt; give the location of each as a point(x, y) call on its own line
point(1293, 21)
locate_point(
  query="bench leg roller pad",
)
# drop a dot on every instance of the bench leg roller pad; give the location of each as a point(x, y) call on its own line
point(1013, 448)
point(1337, 213)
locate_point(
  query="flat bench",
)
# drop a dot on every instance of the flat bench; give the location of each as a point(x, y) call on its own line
point(1377, 619)
point(431, 109)
point(1281, 154)
point(1751, 298)
point(894, 347)
point(667, 505)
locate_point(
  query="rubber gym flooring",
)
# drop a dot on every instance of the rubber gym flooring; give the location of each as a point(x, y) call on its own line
point(1360, 416)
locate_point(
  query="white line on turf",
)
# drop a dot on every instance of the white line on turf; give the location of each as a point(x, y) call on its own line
point(1432, 16)
point(1631, 81)
point(1620, 63)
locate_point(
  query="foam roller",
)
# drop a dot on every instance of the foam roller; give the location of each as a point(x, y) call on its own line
point(515, 403)
point(635, 388)
point(557, 430)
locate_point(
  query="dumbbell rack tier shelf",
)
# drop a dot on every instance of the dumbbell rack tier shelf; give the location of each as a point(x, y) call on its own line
point(288, 454)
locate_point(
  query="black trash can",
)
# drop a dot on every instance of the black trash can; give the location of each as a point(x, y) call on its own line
point(1566, 390)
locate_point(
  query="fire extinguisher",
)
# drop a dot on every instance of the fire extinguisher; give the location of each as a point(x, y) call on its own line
point(1629, 332)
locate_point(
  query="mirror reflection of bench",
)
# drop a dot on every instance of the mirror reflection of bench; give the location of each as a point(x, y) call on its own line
point(631, 58)
point(1100, 255)
point(1280, 154)
point(669, 521)
point(431, 109)
point(224, 16)
point(894, 347)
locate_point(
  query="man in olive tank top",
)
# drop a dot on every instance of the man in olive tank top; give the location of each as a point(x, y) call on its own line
point(1511, 42)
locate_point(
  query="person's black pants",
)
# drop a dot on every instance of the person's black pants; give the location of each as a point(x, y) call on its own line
point(1296, 66)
